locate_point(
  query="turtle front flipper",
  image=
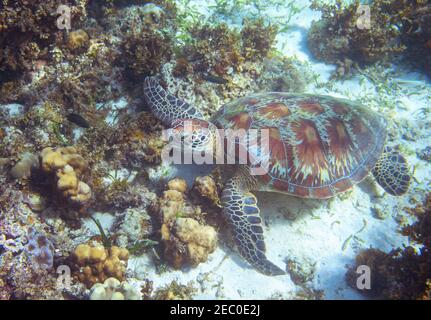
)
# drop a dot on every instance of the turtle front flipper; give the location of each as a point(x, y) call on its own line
point(392, 172)
point(240, 208)
point(165, 106)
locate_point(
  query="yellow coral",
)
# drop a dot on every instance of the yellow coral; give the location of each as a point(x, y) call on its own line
point(207, 188)
point(201, 240)
point(171, 204)
point(77, 40)
point(185, 240)
point(95, 264)
point(67, 165)
point(178, 184)
point(52, 160)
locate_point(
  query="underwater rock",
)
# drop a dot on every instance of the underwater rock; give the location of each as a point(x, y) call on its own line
point(134, 227)
point(113, 289)
point(23, 168)
point(94, 264)
point(425, 154)
point(13, 109)
point(170, 205)
point(35, 202)
point(300, 272)
point(152, 15)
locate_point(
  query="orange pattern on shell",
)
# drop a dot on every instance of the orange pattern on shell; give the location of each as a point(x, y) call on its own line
point(319, 145)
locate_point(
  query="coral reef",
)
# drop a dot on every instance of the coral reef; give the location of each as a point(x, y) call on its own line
point(92, 263)
point(112, 289)
point(401, 273)
point(336, 36)
point(28, 28)
point(343, 35)
point(416, 33)
point(77, 140)
point(219, 50)
point(146, 44)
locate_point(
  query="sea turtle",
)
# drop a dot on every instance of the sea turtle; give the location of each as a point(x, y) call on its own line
point(319, 146)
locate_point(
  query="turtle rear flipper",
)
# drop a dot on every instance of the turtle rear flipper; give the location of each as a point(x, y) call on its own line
point(165, 106)
point(240, 208)
point(392, 172)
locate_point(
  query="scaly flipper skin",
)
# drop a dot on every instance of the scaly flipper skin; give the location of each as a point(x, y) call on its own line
point(392, 172)
point(165, 106)
point(240, 208)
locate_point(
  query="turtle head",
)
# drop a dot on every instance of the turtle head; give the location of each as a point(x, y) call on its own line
point(195, 135)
